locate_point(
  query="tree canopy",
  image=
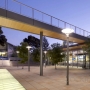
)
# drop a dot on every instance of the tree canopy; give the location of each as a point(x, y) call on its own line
point(45, 43)
point(3, 39)
point(35, 43)
point(86, 47)
point(36, 55)
point(32, 41)
point(56, 53)
point(23, 52)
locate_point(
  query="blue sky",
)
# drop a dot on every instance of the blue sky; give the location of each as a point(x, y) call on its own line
point(76, 12)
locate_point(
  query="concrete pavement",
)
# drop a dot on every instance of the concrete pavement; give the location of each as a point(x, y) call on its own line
point(52, 79)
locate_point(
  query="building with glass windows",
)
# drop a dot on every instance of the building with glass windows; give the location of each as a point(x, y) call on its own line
point(77, 57)
point(6, 51)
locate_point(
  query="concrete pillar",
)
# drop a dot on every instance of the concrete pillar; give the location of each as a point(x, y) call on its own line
point(41, 53)
point(72, 58)
point(67, 60)
point(28, 61)
point(85, 61)
point(77, 58)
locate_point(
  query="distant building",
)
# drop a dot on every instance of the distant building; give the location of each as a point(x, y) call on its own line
point(7, 50)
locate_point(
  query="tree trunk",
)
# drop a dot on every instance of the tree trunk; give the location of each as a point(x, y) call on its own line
point(55, 66)
point(22, 66)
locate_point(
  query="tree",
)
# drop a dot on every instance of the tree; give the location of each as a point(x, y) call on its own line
point(32, 41)
point(56, 53)
point(36, 55)
point(3, 39)
point(35, 43)
point(45, 43)
point(23, 52)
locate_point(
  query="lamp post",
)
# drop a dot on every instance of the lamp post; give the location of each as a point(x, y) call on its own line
point(28, 47)
point(45, 57)
point(67, 31)
point(17, 55)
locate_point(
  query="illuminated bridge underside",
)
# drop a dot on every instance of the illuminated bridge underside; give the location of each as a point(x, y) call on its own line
point(15, 21)
point(77, 47)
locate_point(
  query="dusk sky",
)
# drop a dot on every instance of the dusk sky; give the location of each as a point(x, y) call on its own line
point(76, 12)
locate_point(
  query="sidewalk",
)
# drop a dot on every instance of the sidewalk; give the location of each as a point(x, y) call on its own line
point(52, 79)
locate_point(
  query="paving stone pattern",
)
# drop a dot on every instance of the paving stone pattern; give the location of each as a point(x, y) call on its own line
point(52, 79)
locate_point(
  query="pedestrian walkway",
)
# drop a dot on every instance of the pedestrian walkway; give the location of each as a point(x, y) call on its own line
point(8, 82)
point(51, 80)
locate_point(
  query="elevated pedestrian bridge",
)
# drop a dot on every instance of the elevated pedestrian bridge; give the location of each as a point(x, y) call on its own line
point(19, 16)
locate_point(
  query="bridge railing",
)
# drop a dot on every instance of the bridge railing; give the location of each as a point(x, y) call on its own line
point(25, 10)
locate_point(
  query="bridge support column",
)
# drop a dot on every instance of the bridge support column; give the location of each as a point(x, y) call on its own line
point(72, 58)
point(85, 61)
point(77, 58)
point(41, 53)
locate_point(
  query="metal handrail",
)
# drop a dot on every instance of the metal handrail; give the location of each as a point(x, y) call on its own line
point(84, 32)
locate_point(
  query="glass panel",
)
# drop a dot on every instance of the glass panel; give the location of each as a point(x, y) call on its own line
point(68, 25)
point(77, 31)
point(26, 11)
point(2, 4)
point(81, 32)
point(47, 19)
point(61, 24)
point(37, 15)
point(14, 7)
point(55, 22)
point(86, 33)
point(73, 27)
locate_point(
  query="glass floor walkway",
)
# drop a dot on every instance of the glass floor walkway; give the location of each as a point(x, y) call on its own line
point(8, 82)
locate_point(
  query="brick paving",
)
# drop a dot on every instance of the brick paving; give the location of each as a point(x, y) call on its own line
point(52, 79)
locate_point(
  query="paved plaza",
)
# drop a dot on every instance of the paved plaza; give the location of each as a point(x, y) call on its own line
point(52, 79)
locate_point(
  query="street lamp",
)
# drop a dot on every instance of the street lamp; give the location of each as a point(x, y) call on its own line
point(17, 55)
point(67, 31)
point(45, 57)
point(28, 47)
point(17, 52)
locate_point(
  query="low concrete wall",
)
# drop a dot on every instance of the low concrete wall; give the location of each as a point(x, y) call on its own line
point(4, 62)
point(17, 63)
point(14, 59)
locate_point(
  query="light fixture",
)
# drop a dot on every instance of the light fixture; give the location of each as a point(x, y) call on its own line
point(17, 56)
point(67, 31)
point(28, 47)
point(45, 57)
point(17, 51)
point(45, 52)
